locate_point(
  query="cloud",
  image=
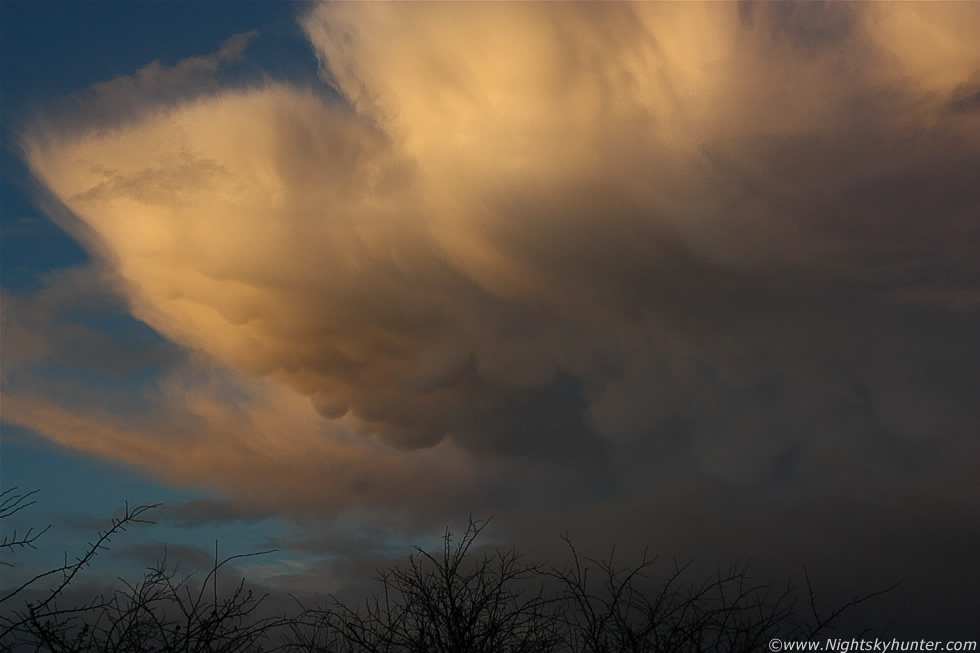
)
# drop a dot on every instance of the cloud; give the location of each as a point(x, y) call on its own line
point(62, 325)
point(188, 559)
point(108, 104)
point(545, 255)
point(157, 78)
point(192, 436)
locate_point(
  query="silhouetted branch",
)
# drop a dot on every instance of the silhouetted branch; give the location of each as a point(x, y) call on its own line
point(11, 503)
point(453, 600)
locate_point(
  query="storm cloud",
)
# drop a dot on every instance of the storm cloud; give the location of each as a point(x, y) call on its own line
point(564, 251)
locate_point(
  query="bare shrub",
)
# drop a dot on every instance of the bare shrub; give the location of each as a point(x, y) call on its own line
point(446, 602)
point(454, 600)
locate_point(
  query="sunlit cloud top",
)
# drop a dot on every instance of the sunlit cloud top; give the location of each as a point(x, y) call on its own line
point(548, 231)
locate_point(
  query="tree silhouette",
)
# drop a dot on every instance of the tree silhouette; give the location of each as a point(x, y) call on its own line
point(453, 600)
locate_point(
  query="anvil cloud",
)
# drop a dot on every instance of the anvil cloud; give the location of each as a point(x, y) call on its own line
point(576, 252)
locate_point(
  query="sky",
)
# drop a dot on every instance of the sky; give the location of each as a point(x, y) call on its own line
point(329, 277)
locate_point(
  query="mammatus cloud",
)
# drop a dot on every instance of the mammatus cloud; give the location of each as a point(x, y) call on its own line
point(203, 425)
point(735, 240)
point(701, 275)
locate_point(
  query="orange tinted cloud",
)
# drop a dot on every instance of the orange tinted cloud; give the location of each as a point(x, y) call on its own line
point(260, 444)
point(547, 230)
